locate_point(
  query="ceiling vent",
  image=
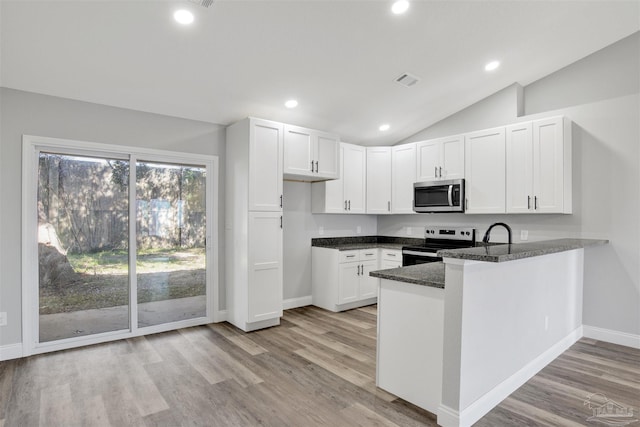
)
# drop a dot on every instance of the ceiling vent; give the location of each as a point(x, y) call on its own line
point(407, 79)
point(203, 3)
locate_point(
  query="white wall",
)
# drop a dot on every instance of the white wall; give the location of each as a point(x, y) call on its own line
point(300, 226)
point(34, 114)
point(600, 95)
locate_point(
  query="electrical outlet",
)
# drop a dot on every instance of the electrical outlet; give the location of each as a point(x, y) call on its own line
point(3, 318)
point(546, 323)
point(409, 231)
point(358, 229)
point(321, 231)
point(524, 234)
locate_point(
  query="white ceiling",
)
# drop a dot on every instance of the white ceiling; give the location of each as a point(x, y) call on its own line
point(338, 58)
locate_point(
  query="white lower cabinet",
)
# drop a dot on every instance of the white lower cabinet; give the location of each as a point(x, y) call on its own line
point(390, 258)
point(340, 279)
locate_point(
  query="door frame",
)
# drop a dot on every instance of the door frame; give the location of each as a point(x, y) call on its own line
point(31, 147)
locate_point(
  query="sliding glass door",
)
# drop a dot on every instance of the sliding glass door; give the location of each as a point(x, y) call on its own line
point(171, 237)
point(83, 246)
point(121, 243)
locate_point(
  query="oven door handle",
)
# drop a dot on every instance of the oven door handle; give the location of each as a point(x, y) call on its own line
point(450, 194)
point(418, 253)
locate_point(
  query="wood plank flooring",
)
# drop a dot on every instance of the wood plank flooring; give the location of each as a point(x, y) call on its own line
point(316, 369)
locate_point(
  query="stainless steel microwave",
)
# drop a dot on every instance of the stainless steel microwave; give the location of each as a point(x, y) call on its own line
point(439, 196)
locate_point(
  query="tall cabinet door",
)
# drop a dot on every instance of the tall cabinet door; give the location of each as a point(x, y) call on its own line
point(298, 154)
point(548, 161)
point(349, 278)
point(485, 171)
point(428, 160)
point(519, 168)
point(327, 156)
point(403, 170)
point(452, 152)
point(368, 285)
point(354, 177)
point(265, 266)
point(265, 171)
point(378, 180)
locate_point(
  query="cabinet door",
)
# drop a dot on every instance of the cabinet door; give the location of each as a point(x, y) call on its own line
point(349, 282)
point(378, 180)
point(297, 151)
point(354, 177)
point(428, 158)
point(519, 168)
point(265, 266)
point(265, 166)
point(386, 264)
point(368, 285)
point(327, 154)
point(452, 153)
point(403, 176)
point(485, 171)
point(548, 151)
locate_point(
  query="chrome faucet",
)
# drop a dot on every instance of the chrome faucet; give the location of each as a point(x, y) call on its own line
point(487, 235)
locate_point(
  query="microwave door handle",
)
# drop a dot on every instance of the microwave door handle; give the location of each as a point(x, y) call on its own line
point(450, 195)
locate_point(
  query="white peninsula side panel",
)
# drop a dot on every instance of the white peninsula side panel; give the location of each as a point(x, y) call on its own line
point(503, 322)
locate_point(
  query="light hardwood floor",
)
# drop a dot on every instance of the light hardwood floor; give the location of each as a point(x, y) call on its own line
point(316, 369)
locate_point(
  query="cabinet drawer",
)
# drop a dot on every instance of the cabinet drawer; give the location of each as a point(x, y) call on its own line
point(368, 254)
point(349, 256)
point(391, 255)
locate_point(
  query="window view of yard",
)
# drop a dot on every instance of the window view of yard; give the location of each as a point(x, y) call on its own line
point(83, 244)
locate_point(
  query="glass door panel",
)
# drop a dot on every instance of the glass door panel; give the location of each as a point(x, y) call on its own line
point(83, 246)
point(171, 242)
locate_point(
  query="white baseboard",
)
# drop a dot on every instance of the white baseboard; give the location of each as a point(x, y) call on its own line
point(297, 302)
point(221, 316)
point(449, 417)
point(11, 351)
point(611, 336)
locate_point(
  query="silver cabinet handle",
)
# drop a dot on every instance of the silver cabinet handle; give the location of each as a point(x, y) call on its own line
point(390, 254)
point(369, 254)
point(349, 204)
point(316, 166)
point(535, 202)
point(350, 256)
point(281, 200)
point(345, 205)
point(389, 206)
point(280, 221)
point(528, 202)
point(466, 203)
point(435, 171)
point(311, 166)
point(440, 171)
point(358, 270)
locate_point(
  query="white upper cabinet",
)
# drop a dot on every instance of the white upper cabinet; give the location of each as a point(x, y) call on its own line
point(485, 171)
point(403, 176)
point(354, 177)
point(539, 166)
point(265, 165)
point(379, 180)
point(441, 158)
point(347, 194)
point(310, 155)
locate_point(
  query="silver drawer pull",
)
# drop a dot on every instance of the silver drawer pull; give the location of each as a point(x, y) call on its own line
point(350, 256)
point(391, 254)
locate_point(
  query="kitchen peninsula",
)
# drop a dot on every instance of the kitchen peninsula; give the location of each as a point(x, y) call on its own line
point(458, 337)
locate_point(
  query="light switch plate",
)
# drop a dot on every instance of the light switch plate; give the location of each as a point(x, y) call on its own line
point(321, 231)
point(524, 234)
point(3, 318)
point(358, 229)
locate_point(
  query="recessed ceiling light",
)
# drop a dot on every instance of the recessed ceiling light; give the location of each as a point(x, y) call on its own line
point(399, 7)
point(492, 65)
point(183, 16)
point(292, 103)
point(384, 127)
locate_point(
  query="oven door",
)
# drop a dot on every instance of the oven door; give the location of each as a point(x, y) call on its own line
point(416, 257)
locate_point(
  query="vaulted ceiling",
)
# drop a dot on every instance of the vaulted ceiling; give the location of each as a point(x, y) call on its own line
point(339, 59)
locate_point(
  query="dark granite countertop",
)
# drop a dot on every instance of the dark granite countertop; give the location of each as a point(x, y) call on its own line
point(505, 252)
point(430, 274)
point(364, 242)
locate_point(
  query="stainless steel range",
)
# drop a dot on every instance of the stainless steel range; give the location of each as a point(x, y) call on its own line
point(437, 238)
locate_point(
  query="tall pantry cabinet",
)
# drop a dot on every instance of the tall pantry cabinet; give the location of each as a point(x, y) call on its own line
point(253, 228)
